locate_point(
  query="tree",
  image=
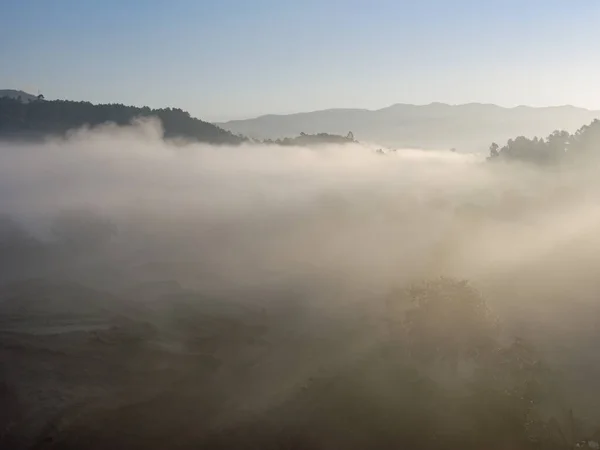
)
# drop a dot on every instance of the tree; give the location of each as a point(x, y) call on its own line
point(494, 150)
point(447, 320)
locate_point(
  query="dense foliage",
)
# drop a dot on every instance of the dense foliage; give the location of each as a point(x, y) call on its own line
point(558, 147)
point(41, 117)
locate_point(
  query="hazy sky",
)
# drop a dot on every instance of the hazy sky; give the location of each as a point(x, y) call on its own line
point(224, 59)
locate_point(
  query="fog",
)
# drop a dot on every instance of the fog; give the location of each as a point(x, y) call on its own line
point(253, 213)
point(320, 231)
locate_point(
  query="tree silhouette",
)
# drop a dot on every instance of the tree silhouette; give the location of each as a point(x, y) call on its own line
point(311, 139)
point(494, 150)
point(558, 147)
point(449, 321)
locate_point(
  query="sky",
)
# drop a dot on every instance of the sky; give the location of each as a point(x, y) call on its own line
point(230, 59)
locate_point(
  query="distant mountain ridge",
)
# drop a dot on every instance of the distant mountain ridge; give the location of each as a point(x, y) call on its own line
point(467, 127)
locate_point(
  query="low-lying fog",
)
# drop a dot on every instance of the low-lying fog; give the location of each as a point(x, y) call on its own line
point(338, 225)
point(269, 214)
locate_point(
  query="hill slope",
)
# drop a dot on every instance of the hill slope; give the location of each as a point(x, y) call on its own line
point(15, 94)
point(33, 119)
point(468, 127)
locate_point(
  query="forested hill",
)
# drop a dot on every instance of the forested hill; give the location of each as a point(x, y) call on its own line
point(41, 117)
point(559, 147)
point(18, 95)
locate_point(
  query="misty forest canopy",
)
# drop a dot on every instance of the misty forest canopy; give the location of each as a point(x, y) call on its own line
point(25, 116)
point(558, 147)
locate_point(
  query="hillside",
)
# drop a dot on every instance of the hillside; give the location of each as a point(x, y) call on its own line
point(39, 118)
point(469, 127)
point(15, 94)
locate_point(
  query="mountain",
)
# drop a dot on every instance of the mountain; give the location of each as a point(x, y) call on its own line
point(468, 127)
point(12, 93)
